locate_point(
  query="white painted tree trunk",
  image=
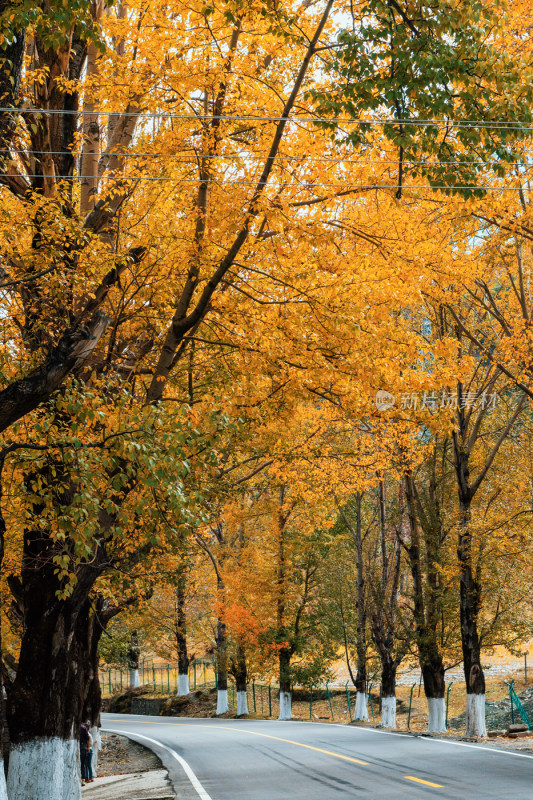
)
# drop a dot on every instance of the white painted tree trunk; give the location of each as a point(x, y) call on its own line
point(97, 743)
point(242, 703)
point(3, 787)
point(388, 712)
point(285, 705)
point(134, 678)
point(222, 701)
point(44, 769)
point(183, 684)
point(475, 715)
point(436, 715)
point(361, 706)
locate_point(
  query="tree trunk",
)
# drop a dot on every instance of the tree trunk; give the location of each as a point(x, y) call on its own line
point(181, 637)
point(470, 601)
point(93, 699)
point(383, 618)
point(285, 698)
point(11, 67)
point(133, 660)
point(222, 669)
point(388, 681)
point(388, 692)
point(434, 686)
point(431, 661)
point(3, 788)
point(241, 681)
point(361, 698)
point(470, 592)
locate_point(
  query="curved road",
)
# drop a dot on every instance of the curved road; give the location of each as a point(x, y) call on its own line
point(221, 759)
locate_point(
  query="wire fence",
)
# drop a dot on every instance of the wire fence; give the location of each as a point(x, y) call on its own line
point(162, 677)
point(327, 702)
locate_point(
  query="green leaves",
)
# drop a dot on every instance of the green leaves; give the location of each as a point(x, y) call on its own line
point(452, 100)
point(52, 23)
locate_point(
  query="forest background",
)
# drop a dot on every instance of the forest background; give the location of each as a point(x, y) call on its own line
point(266, 350)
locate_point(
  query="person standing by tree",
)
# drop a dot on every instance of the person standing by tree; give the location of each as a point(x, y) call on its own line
point(85, 754)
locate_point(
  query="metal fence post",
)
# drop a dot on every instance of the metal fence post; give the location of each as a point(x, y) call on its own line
point(311, 702)
point(447, 701)
point(329, 700)
point(348, 701)
point(371, 702)
point(410, 704)
point(269, 700)
point(253, 695)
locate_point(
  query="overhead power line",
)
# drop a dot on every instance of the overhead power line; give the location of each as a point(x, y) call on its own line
point(186, 159)
point(475, 123)
point(280, 184)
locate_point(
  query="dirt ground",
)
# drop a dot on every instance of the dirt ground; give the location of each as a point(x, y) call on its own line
point(119, 756)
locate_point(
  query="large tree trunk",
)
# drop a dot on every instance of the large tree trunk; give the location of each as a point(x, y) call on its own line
point(45, 704)
point(181, 637)
point(55, 670)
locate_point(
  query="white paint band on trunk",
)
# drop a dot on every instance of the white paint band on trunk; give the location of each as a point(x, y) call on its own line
point(135, 680)
point(44, 769)
point(388, 712)
point(436, 715)
point(242, 703)
point(475, 715)
point(97, 744)
point(183, 684)
point(285, 705)
point(361, 706)
point(3, 787)
point(222, 701)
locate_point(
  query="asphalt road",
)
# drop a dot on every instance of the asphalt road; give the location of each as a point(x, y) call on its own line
point(215, 759)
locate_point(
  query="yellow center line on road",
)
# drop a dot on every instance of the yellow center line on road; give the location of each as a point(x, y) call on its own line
point(300, 744)
point(278, 739)
point(426, 783)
